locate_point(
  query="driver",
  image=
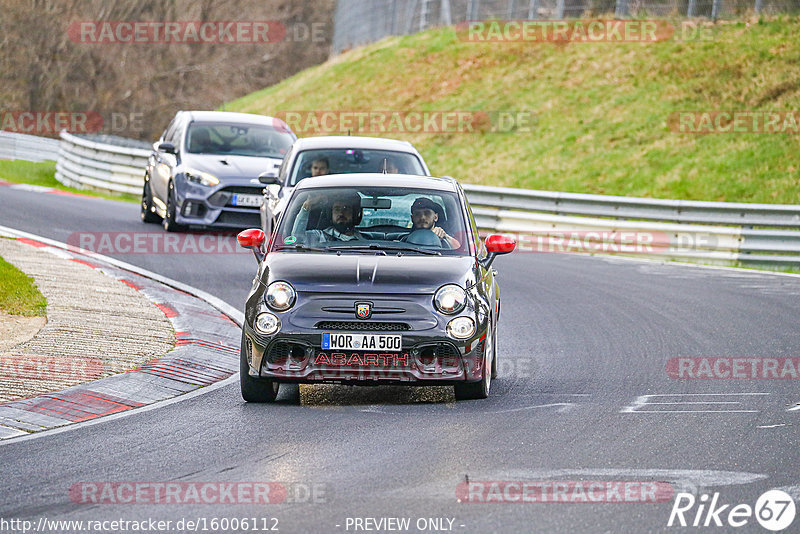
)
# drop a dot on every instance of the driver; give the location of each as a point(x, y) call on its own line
point(424, 216)
point(201, 140)
point(320, 167)
point(345, 215)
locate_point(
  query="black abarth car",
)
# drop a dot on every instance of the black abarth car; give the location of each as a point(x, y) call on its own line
point(372, 279)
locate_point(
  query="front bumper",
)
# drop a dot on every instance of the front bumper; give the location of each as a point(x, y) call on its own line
point(426, 358)
point(202, 206)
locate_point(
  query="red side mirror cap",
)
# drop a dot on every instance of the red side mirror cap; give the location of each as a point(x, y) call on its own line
point(500, 244)
point(251, 238)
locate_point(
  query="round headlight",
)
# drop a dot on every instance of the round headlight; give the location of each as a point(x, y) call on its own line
point(450, 299)
point(280, 296)
point(461, 327)
point(267, 324)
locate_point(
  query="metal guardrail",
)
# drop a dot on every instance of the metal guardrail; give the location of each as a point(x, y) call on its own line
point(27, 147)
point(724, 233)
point(84, 163)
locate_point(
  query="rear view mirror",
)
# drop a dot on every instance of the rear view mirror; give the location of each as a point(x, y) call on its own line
point(376, 203)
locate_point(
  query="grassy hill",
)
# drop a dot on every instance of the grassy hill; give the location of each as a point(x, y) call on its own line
point(602, 109)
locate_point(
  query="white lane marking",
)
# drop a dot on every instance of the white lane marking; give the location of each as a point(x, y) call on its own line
point(640, 404)
point(796, 408)
point(771, 426)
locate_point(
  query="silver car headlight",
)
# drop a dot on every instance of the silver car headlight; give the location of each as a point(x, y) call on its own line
point(450, 299)
point(280, 296)
point(202, 178)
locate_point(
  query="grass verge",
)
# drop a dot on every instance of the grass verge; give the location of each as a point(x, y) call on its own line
point(18, 292)
point(604, 111)
point(43, 174)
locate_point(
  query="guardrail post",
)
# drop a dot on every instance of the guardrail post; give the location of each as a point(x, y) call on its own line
point(621, 9)
point(715, 9)
point(444, 13)
point(759, 6)
point(533, 10)
point(690, 12)
point(560, 10)
point(512, 9)
point(472, 9)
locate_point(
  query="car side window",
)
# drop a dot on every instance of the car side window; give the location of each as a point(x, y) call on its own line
point(170, 130)
point(283, 171)
point(175, 136)
point(481, 250)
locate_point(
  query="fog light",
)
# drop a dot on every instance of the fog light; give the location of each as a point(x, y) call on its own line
point(267, 324)
point(187, 209)
point(461, 327)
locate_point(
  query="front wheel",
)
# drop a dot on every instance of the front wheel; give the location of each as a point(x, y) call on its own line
point(148, 210)
point(477, 390)
point(259, 390)
point(169, 218)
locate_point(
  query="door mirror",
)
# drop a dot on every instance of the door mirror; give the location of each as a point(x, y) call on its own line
point(167, 148)
point(497, 244)
point(268, 177)
point(254, 240)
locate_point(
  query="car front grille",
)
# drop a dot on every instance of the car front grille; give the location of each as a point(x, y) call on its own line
point(245, 220)
point(362, 326)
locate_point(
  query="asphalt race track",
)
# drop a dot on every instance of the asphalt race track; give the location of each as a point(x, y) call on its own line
point(583, 395)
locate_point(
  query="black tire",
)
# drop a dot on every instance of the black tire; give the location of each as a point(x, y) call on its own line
point(169, 219)
point(259, 390)
point(148, 210)
point(476, 390)
point(494, 351)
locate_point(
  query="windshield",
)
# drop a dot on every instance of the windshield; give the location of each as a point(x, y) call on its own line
point(373, 220)
point(237, 140)
point(346, 161)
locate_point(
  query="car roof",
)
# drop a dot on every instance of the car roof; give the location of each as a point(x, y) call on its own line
point(443, 183)
point(233, 117)
point(349, 141)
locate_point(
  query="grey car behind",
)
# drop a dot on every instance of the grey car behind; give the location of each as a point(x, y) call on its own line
point(203, 171)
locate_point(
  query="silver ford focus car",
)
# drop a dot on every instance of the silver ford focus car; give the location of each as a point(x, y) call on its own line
point(204, 169)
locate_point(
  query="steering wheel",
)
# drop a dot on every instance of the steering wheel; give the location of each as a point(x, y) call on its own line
point(424, 237)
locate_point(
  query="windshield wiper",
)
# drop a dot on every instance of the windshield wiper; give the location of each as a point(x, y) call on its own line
point(301, 247)
point(360, 248)
point(398, 248)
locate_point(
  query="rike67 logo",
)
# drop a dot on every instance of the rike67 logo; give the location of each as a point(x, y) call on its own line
point(774, 510)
